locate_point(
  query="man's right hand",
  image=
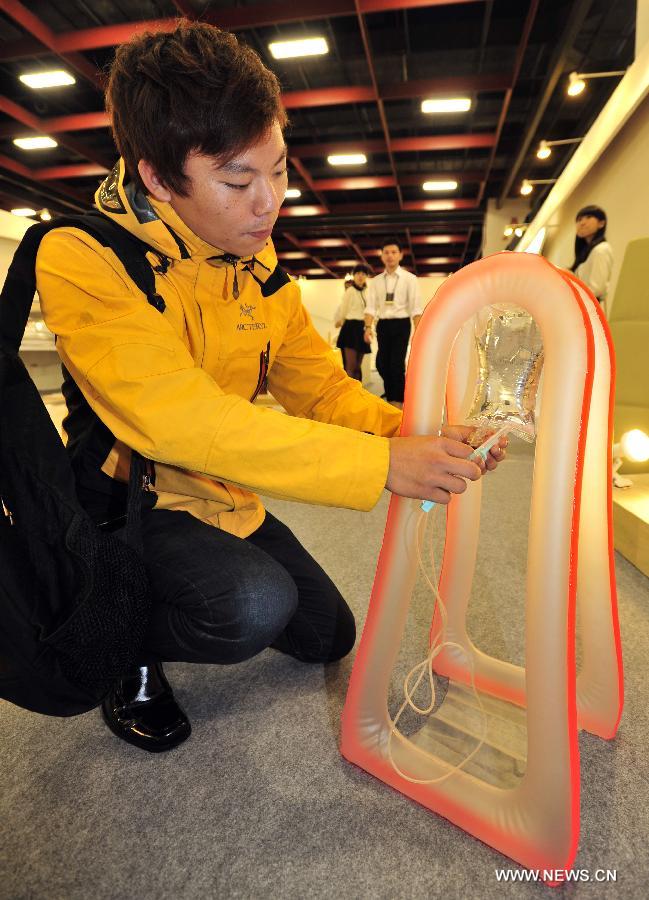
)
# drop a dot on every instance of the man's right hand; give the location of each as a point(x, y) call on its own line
point(431, 468)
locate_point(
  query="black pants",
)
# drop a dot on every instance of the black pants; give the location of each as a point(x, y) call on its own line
point(393, 336)
point(221, 599)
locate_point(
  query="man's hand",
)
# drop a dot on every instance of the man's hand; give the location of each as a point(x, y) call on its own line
point(464, 433)
point(434, 468)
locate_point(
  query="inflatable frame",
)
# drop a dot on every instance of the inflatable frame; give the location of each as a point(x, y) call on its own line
point(535, 818)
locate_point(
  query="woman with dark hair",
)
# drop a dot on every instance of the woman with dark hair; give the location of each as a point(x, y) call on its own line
point(593, 253)
point(351, 315)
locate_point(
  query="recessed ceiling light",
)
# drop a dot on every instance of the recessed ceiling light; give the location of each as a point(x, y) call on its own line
point(35, 143)
point(446, 105)
point(440, 185)
point(347, 159)
point(55, 78)
point(23, 211)
point(304, 47)
point(293, 193)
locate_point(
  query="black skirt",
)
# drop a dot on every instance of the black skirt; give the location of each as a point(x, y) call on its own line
point(351, 336)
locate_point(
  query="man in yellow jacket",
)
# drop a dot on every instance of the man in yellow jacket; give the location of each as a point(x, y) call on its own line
point(198, 121)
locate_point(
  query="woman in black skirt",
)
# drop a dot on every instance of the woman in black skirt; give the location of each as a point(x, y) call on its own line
point(350, 315)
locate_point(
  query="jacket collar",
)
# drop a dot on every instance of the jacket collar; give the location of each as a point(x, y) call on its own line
point(158, 225)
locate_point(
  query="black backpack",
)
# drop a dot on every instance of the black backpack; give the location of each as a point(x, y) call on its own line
point(74, 600)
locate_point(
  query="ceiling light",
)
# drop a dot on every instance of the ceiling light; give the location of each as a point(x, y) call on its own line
point(46, 215)
point(305, 47)
point(293, 193)
point(347, 159)
point(508, 231)
point(35, 143)
point(446, 105)
point(23, 211)
point(55, 78)
point(440, 185)
point(577, 80)
point(528, 184)
point(518, 232)
point(545, 147)
point(575, 84)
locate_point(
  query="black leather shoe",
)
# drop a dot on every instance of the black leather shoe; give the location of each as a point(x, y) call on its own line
point(141, 709)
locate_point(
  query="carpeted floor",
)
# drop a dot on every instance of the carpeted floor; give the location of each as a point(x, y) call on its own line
point(259, 803)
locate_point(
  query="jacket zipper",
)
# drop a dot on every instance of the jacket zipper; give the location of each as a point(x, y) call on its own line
point(6, 511)
point(264, 360)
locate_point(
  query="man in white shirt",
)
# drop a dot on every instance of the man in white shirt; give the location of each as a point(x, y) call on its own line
point(393, 299)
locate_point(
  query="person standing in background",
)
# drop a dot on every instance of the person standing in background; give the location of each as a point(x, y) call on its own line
point(350, 319)
point(393, 298)
point(593, 254)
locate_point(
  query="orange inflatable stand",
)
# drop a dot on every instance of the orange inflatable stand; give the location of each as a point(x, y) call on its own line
point(521, 792)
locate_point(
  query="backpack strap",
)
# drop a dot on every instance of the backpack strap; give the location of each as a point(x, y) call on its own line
point(130, 251)
point(20, 285)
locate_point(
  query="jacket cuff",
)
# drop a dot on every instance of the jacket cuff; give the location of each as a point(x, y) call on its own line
point(372, 459)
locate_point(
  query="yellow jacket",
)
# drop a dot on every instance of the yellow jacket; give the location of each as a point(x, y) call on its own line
point(177, 386)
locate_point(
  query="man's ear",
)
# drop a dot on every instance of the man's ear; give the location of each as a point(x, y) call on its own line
point(152, 183)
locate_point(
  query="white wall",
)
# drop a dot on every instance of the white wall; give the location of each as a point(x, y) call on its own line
point(619, 183)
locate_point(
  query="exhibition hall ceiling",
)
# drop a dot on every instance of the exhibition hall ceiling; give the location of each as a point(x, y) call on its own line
point(508, 61)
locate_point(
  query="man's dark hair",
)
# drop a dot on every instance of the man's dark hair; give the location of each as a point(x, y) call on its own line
point(391, 242)
point(196, 88)
point(360, 268)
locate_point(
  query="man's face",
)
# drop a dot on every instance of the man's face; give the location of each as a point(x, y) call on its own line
point(391, 256)
point(360, 278)
point(234, 206)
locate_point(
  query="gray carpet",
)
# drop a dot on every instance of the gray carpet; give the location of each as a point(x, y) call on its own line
point(259, 803)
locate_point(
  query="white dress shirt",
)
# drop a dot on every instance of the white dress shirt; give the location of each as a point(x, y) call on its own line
point(352, 305)
point(403, 288)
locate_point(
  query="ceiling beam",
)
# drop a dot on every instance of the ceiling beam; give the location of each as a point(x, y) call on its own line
point(306, 178)
point(369, 182)
point(233, 19)
point(27, 119)
point(379, 207)
point(80, 170)
point(296, 243)
point(381, 108)
point(520, 55)
point(399, 145)
point(558, 65)
point(334, 96)
point(428, 87)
